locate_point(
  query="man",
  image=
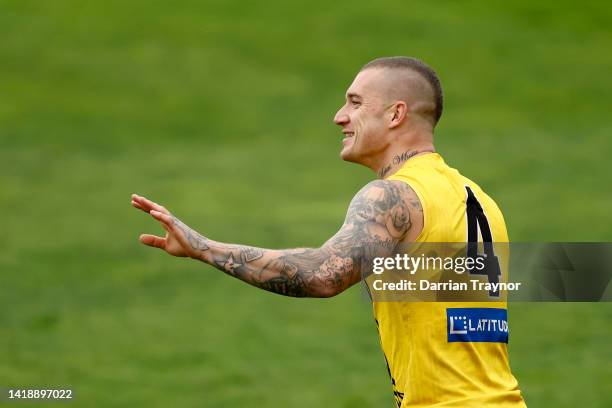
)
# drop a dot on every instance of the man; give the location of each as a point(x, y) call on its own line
point(388, 120)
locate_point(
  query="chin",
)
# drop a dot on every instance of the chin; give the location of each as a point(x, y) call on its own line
point(350, 151)
point(347, 155)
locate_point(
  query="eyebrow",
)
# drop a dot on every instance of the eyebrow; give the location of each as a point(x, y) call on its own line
point(352, 95)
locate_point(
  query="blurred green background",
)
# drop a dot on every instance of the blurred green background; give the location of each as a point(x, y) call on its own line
point(222, 111)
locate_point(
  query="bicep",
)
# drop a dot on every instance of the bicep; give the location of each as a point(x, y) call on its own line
point(379, 218)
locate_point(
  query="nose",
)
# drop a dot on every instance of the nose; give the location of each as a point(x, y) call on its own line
point(341, 118)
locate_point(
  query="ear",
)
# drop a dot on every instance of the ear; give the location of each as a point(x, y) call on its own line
point(399, 110)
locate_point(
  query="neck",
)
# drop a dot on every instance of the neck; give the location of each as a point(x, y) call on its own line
point(400, 147)
point(396, 159)
point(403, 145)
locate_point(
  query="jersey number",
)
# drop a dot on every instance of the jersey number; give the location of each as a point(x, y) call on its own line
point(476, 219)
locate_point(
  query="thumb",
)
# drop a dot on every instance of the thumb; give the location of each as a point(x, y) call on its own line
point(153, 241)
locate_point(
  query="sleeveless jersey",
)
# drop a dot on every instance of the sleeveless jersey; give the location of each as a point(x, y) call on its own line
point(428, 366)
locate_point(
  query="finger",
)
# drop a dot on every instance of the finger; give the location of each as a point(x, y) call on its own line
point(148, 205)
point(136, 205)
point(166, 219)
point(153, 241)
point(145, 204)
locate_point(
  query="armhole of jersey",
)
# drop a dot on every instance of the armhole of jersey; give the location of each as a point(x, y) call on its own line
point(419, 237)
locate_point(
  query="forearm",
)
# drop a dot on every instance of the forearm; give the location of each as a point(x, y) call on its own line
point(302, 272)
point(265, 268)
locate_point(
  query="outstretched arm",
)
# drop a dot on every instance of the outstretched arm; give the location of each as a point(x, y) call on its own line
point(378, 219)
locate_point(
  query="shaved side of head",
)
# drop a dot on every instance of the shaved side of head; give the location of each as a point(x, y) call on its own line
point(414, 82)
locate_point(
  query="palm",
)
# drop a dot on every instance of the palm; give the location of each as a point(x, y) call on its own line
point(174, 246)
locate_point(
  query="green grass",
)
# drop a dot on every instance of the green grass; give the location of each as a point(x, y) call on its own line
point(222, 111)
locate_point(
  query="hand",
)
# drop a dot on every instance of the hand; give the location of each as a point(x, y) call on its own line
point(180, 240)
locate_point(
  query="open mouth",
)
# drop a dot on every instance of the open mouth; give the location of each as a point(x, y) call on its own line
point(348, 135)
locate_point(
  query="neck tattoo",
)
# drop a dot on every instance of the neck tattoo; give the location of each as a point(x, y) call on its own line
point(400, 158)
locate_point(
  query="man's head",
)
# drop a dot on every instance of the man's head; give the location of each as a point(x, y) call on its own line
point(390, 97)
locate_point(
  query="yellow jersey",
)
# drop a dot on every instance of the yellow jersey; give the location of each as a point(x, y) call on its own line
point(430, 365)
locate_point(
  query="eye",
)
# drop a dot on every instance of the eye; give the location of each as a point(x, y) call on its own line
point(355, 103)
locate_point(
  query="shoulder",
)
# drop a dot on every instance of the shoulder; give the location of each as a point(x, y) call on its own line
point(392, 203)
point(387, 193)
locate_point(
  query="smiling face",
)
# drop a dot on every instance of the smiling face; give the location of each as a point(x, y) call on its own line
point(364, 118)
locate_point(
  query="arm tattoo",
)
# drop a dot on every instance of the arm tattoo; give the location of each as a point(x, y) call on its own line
point(378, 218)
point(252, 254)
point(195, 239)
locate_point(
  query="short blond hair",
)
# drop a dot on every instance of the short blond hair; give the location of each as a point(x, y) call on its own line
point(420, 68)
